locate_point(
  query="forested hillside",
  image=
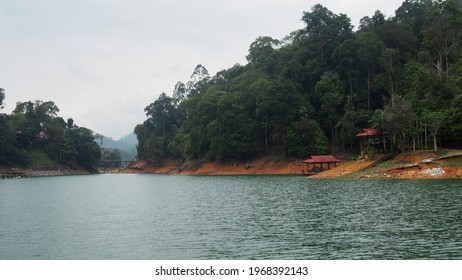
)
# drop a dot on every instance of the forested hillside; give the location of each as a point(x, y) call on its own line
point(35, 127)
point(313, 91)
point(122, 149)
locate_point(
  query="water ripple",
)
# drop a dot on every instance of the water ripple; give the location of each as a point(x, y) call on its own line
point(262, 217)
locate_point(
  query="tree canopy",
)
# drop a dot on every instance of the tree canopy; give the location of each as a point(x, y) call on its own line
point(37, 126)
point(313, 91)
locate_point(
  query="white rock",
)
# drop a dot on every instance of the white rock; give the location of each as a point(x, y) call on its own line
point(433, 172)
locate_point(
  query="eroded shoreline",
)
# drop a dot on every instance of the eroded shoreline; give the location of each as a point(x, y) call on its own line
point(419, 165)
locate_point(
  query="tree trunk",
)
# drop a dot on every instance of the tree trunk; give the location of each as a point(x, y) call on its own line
point(284, 137)
point(404, 141)
point(369, 88)
point(435, 145)
point(266, 131)
point(393, 142)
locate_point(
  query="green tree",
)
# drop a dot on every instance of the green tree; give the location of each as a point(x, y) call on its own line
point(316, 43)
point(111, 155)
point(346, 63)
point(442, 33)
point(413, 13)
point(455, 117)
point(321, 84)
point(397, 119)
point(305, 137)
point(87, 151)
point(435, 121)
point(330, 89)
point(231, 133)
point(372, 23)
point(179, 93)
point(261, 53)
point(390, 63)
point(351, 123)
point(326, 29)
point(155, 134)
point(369, 50)
point(10, 154)
point(399, 36)
point(264, 106)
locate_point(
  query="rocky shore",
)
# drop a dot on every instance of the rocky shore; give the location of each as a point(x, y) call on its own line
point(40, 171)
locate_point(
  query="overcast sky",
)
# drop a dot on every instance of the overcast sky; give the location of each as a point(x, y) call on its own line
point(103, 61)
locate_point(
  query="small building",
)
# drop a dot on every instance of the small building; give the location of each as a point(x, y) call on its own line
point(316, 164)
point(372, 140)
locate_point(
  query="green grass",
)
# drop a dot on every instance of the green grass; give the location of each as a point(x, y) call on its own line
point(457, 161)
point(371, 170)
point(40, 158)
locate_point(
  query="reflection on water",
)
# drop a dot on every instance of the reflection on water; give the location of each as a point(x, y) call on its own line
point(228, 217)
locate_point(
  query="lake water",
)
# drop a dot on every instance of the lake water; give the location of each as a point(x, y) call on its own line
point(229, 217)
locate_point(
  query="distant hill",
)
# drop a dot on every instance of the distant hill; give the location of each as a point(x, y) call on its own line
point(126, 145)
point(129, 139)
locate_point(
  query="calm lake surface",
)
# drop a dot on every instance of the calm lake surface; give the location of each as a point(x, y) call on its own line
point(228, 217)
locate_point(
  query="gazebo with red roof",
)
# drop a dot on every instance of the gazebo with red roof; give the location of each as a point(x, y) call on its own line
point(319, 161)
point(371, 137)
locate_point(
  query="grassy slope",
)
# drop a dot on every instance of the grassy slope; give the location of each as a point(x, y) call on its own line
point(40, 158)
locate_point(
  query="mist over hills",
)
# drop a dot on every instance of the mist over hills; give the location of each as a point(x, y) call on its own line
point(126, 145)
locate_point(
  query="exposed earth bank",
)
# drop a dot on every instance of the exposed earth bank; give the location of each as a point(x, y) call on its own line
point(444, 164)
point(417, 165)
point(260, 166)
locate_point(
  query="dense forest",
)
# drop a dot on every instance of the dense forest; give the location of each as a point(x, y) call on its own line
point(35, 126)
point(314, 90)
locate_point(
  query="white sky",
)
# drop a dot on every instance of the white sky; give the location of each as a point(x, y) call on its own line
point(103, 61)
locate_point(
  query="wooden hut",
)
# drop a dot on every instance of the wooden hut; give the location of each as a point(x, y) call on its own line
point(371, 139)
point(316, 164)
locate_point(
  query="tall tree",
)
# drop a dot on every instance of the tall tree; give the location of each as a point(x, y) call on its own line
point(435, 120)
point(346, 63)
point(372, 23)
point(441, 33)
point(264, 106)
point(261, 53)
point(198, 82)
point(369, 50)
point(179, 93)
point(397, 119)
point(327, 29)
point(330, 89)
point(160, 128)
point(414, 12)
point(390, 61)
point(2, 97)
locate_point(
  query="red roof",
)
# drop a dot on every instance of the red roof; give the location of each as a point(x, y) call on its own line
point(368, 132)
point(322, 159)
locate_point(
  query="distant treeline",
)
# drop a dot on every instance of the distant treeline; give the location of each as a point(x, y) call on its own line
point(314, 90)
point(35, 126)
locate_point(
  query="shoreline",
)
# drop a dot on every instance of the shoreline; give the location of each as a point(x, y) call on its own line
point(40, 171)
point(417, 165)
point(258, 166)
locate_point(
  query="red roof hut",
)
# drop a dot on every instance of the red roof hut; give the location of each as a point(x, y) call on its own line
point(316, 164)
point(371, 138)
